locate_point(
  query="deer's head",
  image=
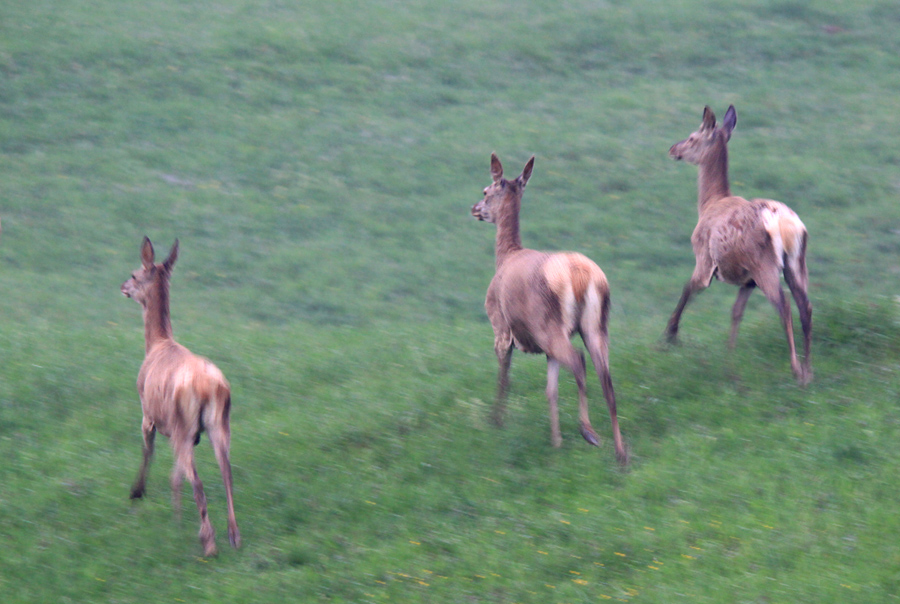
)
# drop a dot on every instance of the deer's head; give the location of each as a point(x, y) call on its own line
point(705, 140)
point(501, 192)
point(143, 279)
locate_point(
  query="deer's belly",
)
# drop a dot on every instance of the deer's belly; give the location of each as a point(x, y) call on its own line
point(734, 274)
point(523, 339)
point(731, 259)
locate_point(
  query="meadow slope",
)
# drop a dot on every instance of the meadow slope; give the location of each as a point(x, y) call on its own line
point(318, 162)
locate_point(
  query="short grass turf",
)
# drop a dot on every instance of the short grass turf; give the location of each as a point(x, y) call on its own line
point(317, 162)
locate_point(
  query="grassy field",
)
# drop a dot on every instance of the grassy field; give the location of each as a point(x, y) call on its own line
point(318, 162)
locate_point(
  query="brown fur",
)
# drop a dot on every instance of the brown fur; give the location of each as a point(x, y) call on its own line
point(182, 395)
point(537, 301)
point(745, 243)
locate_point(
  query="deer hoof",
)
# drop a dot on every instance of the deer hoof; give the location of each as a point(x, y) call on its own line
point(208, 540)
point(136, 492)
point(590, 436)
point(497, 418)
point(802, 375)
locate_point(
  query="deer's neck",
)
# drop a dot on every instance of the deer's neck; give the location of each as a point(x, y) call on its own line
point(508, 239)
point(712, 179)
point(157, 324)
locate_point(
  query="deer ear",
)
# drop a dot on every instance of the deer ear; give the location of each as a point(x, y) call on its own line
point(496, 168)
point(173, 256)
point(526, 172)
point(729, 121)
point(147, 253)
point(709, 119)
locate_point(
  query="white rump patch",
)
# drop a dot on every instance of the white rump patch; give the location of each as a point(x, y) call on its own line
point(785, 229)
point(770, 222)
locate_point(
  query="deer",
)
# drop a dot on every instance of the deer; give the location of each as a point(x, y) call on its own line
point(537, 301)
point(747, 243)
point(182, 395)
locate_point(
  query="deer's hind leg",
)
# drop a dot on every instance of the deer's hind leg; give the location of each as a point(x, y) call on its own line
point(797, 283)
point(553, 399)
point(563, 353)
point(219, 432)
point(176, 479)
point(598, 348)
point(770, 284)
point(149, 435)
point(184, 460)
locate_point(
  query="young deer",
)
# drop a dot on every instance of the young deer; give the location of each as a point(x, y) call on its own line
point(745, 243)
point(182, 395)
point(538, 300)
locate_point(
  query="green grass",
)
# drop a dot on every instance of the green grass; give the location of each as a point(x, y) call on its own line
point(318, 162)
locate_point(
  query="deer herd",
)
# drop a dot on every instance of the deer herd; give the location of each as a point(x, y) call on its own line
point(536, 302)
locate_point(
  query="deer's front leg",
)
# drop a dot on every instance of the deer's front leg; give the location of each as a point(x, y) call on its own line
point(503, 347)
point(703, 274)
point(737, 312)
point(149, 433)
